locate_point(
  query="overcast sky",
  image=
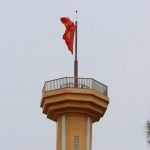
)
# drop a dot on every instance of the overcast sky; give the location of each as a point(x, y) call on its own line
point(113, 48)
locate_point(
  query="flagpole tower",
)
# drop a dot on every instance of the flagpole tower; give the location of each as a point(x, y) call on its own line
point(74, 104)
point(76, 54)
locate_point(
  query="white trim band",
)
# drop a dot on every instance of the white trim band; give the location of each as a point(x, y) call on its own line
point(88, 131)
point(63, 132)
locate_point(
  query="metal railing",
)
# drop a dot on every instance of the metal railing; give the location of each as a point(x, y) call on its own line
point(71, 82)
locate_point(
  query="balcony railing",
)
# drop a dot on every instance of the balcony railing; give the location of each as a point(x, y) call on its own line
point(71, 82)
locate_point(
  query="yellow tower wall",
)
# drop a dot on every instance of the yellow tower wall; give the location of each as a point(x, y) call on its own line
point(76, 126)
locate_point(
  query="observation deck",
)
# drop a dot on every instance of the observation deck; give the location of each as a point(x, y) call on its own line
point(71, 82)
point(69, 95)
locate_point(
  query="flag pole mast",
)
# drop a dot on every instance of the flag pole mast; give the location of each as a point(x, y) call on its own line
point(76, 56)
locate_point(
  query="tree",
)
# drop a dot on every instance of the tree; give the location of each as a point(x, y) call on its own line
point(148, 131)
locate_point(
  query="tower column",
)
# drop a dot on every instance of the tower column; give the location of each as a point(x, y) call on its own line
point(74, 132)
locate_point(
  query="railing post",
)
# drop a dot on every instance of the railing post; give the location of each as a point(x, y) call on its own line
point(75, 82)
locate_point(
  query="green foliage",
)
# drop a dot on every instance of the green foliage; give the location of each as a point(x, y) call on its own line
point(148, 131)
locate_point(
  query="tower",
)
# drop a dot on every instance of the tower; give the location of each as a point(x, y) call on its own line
point(74, 104)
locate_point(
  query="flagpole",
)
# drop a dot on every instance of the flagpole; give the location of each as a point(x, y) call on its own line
point(76, 56)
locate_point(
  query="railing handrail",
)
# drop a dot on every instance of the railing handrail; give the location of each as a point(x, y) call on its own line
point(70, 82)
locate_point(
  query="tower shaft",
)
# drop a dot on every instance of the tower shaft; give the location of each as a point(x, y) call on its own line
point(74, 132)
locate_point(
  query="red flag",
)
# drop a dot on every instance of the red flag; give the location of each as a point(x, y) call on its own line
point(69, 33)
